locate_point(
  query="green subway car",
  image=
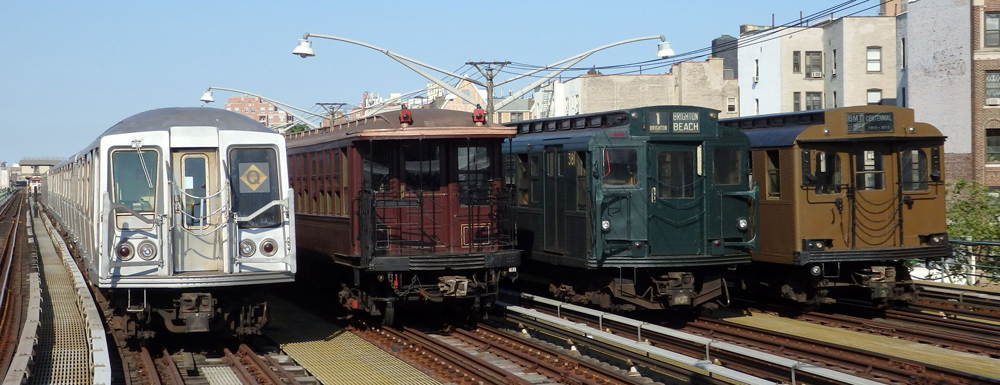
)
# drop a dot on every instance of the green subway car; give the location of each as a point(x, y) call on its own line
point(644, 208)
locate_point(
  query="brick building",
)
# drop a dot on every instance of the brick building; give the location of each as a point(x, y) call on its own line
point(259, 110)
point(985, 20)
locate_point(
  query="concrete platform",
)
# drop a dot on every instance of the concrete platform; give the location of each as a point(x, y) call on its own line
point(933, 355)
point(332, 354)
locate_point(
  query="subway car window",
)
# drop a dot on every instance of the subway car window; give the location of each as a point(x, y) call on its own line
point(675, 174)
point(726, 165)
point(913, 170)
point(773, 175)
point(474, 175)
point(536, 182)
point(131, 182)
point(827, 173)
point(423, 166)
point(581, 181)
point(376, 168)
point(869, 174)
point(523, 180)
point(619, 166)
point(253, 175)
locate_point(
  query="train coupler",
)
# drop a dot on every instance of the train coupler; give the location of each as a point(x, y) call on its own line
point(677, 288)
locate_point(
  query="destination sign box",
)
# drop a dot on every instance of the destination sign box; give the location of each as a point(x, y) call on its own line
point(866, 122)
point(685, 122)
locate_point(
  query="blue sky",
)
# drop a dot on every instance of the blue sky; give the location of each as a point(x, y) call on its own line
point(71, 69)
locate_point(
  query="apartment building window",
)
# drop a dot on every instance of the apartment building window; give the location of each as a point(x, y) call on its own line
point(993, 142)
point(902, 97)
point(731, 104)
point(992, 87)
point(796, 62)
point(992, 32)
point(834, 99)
point(756, 106)
point(902, 52)
point(814, 101)
point(874, 96)
point(814, 63)
point(516, 116)
point(756, 67)
point(796, 102)
point(874, 59)
point(834, 73)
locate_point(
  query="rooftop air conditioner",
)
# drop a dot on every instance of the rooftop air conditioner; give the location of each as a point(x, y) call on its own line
point(816, 74)
point(993, 101)
point(756, 79)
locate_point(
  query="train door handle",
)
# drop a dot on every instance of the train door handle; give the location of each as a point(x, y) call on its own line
point(652, 195)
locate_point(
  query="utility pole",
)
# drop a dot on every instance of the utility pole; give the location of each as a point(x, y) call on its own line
point(487, 72)
point(332, 108)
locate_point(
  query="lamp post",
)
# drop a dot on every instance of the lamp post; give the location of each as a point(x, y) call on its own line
point(304, 49)
point(207, 98)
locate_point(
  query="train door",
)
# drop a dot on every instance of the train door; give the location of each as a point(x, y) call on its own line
point(197, 201)
point(554, 209)
point(874, 204)
point(676, 199)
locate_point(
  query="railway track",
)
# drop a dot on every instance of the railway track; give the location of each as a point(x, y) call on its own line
point(11, 265)
point(856, 363)
point(969, 304)
point(486, 355)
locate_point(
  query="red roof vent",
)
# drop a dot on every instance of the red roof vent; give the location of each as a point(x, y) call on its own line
point(405, 116)
point(478, 115)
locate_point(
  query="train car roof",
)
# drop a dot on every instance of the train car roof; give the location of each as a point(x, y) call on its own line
point(164, 118)
point(427, 123)
point(774, 136)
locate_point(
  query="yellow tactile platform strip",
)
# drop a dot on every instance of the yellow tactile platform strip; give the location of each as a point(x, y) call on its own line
point(219, 375)
point(63, 352)
point(933, 355)
point(332, 354)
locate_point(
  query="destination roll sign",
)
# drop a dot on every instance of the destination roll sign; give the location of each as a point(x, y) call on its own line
point(864, 122)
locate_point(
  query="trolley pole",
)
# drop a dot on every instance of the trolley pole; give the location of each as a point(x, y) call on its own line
point(487, 72)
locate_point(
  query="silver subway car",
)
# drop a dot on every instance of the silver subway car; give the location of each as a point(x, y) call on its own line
point(179, 215)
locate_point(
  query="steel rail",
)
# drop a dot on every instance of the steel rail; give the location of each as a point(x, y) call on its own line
point(10, 311)
point(547, 362)
point(11, 245)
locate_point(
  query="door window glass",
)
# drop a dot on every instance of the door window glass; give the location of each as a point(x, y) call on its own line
point(536, 182)
point(253, 177)
point(827, 173)
point(422, 163)
point(726, 165)
point(869, 174)
point(914, 170)
point(581, 180)
point(195, 180)
point(131, 184)
point(675, 174)
point(619, 166)
point(474, 175)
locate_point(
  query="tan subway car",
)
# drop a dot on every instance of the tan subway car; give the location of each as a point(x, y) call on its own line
point(847, 194)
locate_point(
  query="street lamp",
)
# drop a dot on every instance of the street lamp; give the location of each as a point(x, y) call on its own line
point(207, 98)
point(304, 50)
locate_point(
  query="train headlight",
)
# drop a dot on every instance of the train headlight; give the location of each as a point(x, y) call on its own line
point(268, 247)
point(125, 251)
point(247, 248)
point(605, 225)
point(147, 250)
point(742, 223)
point(816, 270)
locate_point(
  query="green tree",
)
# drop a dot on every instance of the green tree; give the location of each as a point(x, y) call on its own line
point(973, 214)
point(298, 127)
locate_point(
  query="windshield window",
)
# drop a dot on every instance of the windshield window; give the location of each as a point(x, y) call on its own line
point(474, 175)
point(827, 173)
point(619, 166)
point(131, 187)
point(195, 168)
point(423, 166)
point(726, 165)
point(253, 177)
point(914, 170)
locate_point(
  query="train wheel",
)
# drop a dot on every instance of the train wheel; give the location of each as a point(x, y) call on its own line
point(388, 314)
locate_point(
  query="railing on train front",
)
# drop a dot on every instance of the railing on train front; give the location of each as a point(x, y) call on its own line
point(484, 222)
